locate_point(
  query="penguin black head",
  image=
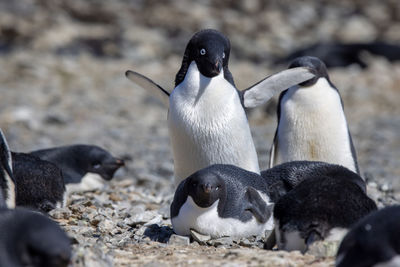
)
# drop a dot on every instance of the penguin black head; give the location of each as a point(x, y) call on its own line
point(315, 65)
point(31, 239)
point(101, 162)
point(210, 50)
point(205, 187)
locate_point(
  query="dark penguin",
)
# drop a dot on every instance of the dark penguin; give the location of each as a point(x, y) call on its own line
point(311, 121)
point(284, 177)
point(7, 182)
point(84, 167)
point(206, 119)
point(30, 239)
point(373, 241)
point(222, 200)
point(40, 184)
point(320, 207)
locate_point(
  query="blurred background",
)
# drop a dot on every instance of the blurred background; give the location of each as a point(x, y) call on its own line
point(62, 67)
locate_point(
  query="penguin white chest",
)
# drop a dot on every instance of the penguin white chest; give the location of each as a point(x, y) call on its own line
point(313, 126)
point(208, 125)
point(207, 221)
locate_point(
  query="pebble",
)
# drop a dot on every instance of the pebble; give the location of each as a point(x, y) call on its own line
point(179, 240)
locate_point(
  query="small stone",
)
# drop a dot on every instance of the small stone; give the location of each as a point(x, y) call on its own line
point(202, 239)
point(223, 241)
point(323, 249)
point(179, 240)
point(60, 213)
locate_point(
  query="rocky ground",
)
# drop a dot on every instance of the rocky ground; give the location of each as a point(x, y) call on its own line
point(62, 81)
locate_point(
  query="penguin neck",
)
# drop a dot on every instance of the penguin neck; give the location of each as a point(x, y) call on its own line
point(197, 88)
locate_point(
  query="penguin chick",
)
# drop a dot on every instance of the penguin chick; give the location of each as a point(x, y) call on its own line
point(206, 120)
point(40, 184)
point(222, 200)
point(30, 239)
point(317, 208)
point(311, 121)
point(84, 167)
point(373, 241)
point(284, 177)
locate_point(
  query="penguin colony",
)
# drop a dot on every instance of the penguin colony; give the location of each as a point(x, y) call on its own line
point(312, 191)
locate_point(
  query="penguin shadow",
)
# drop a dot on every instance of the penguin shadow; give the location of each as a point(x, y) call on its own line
point(158, 233)
point(203, 83)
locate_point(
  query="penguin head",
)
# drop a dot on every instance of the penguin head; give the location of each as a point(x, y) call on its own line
point(39, 241)
point(205, 187)
point(315, 65)
point(99, 161)
point(210, 50)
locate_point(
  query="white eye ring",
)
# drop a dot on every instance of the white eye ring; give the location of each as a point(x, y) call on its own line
point(202, 51)
point(223, 55)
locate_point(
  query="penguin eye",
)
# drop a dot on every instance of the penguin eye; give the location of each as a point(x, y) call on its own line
point(202, 51)
point(223, 55)
point(217, 188)
point(96, 165)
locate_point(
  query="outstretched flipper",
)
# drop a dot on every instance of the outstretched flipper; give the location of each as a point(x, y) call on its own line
point(256, 205)
point(273, 85)
point(149, 85)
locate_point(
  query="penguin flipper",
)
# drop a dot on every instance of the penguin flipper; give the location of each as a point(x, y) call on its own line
point(265, 89)
point(257, 206)
point(5, 157)
point(148, 84)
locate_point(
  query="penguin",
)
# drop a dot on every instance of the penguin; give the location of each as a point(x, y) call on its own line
point(321, 207)
point(28, 238)
point(7, 182)
point(84, 167)
point(373, 241)
point(311, 121)
point(206, 119)
point(39, 183)
point(282, 178)
point(222, 200)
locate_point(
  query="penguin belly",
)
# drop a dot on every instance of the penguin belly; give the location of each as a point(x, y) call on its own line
point(313, 127)
point(207, 221)
point(208, 125)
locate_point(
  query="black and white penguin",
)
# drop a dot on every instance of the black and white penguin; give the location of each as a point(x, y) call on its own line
point(320, 207)
point(311, 121)
point(84, 167)
point(206, 119)
point(222, 200)
point(373, 241)
point(39, 183)
point(7, 182)
point(284, 177)
point(30, 239)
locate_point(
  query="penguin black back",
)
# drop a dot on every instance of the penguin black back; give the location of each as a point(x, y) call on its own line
point(30, 239)
point(40, 183)
point(284, 177)
point(210, 50)
point(319, 204)
point(77, 160)
point(374, 239)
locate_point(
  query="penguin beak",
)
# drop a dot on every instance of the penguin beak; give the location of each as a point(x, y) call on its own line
point(120, 162)
point(207, 188)
point(216, 67)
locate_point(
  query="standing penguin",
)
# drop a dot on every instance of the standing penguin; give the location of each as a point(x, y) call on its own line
point(7, 182)
point(311, 121)
point(206, 119)
point(222, 200)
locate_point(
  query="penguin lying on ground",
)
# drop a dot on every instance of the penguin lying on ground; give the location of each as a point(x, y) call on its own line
point(222, 200)
point(206, 119)
point(40, 184)
point(320, 207)
point(84, 167)
point(311, 122)
point(341, 55)
point(7, 182)
point(30, 239)
point(284, 177)
point(373, 241)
